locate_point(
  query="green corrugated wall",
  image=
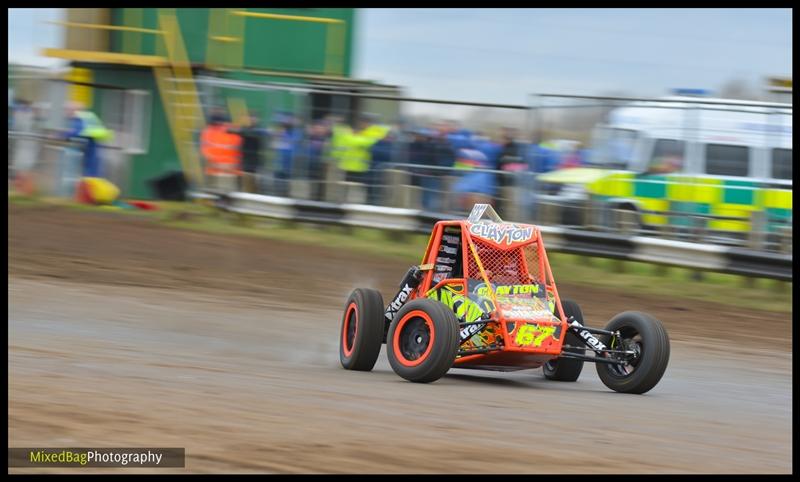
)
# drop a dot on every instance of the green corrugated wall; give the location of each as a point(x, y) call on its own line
point(270, 44)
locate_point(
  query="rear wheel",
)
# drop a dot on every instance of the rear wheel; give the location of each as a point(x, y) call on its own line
point(566, 369)
point(422, 342)
point(361, 335)
point(646, 338)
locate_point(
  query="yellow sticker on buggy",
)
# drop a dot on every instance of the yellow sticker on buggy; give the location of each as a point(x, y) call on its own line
point(508, 290)
point(533, 334)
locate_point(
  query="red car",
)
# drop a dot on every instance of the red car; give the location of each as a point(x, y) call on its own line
point(484, 297)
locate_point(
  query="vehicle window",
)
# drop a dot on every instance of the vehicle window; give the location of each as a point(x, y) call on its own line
point(615, 148)
point(781, 163)
point(622, 144)
point(727, 160)
point(667, 156)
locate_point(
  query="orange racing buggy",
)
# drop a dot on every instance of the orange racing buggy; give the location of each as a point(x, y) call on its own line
point(484, 298)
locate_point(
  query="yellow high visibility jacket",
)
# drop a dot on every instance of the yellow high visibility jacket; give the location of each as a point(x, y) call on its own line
point(92, 127)
point(351, 149)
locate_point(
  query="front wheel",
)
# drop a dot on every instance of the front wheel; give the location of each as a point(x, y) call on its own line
point(422, 343)
point(646, 339)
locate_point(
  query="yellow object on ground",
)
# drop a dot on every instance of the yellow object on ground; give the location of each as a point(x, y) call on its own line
point(101, 191)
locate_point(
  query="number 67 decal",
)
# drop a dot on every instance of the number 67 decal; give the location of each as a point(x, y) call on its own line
point(526, 335)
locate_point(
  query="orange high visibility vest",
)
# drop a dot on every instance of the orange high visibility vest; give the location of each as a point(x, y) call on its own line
point(222, 150)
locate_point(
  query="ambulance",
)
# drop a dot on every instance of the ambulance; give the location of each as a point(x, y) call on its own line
point(672, 159)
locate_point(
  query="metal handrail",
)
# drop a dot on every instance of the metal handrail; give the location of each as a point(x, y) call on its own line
point(679, 101)
point(390, 165)
point(57, 140)
point(99, 26)
point(275, 16)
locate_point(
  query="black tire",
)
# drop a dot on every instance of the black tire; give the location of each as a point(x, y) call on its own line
point(423, 341)
point(566, 369)
point(645, 334)
point(361, 334)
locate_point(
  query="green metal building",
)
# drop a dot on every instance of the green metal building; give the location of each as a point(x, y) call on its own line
point(148, 73)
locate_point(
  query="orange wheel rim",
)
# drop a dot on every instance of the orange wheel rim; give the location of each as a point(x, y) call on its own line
point(413, 338)
point(349, 329)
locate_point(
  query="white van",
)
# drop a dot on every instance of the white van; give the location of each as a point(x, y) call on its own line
point(717, 137)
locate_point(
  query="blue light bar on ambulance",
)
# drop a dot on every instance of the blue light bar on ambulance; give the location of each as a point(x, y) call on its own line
point(692, 92)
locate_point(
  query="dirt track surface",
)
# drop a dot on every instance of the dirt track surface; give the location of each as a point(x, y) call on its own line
point(126, 333)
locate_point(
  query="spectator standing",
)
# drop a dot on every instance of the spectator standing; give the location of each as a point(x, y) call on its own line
point(459, 139)
point(381, 154)
point(286, 142)
point(86, 126)
point(352, 147)
point(511, 162)
point(571, 157)
point(420, 153)
point(254, 138)
point(222, 151)
point(542, 156)
point(443, 156)
point(474, 185)
point(489, 148)
point(317, 142)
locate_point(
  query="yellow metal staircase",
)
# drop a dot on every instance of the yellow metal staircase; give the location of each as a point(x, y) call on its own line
point(180, 98)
